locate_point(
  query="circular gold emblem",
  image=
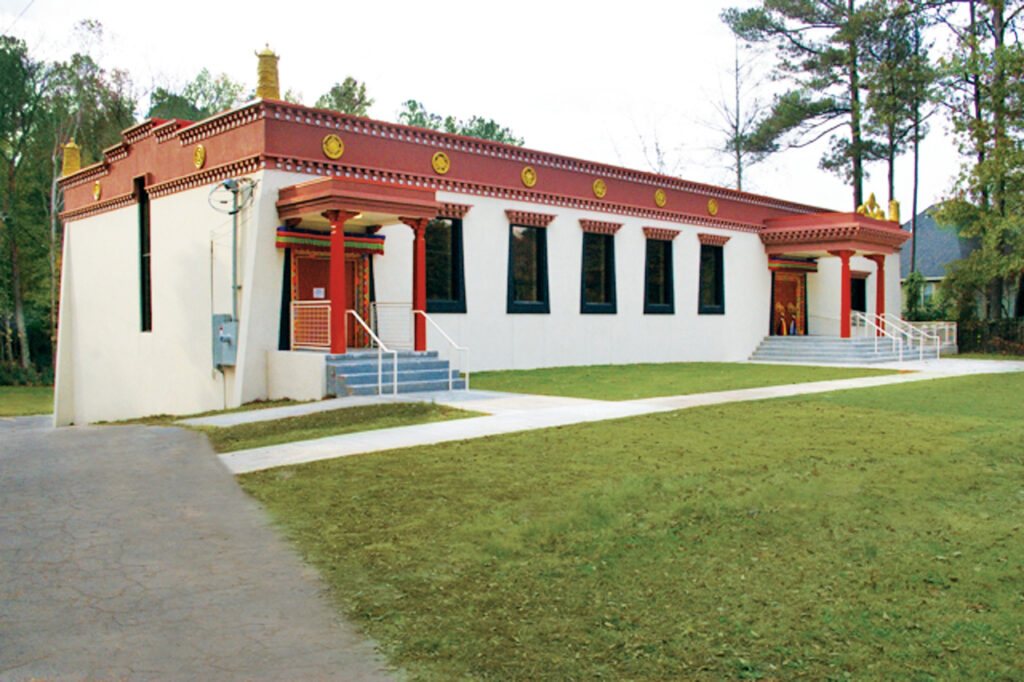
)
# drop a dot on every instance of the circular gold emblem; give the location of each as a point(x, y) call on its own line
point(600, 189)
point(712, 207)
point(529, 176)
point(199, 156)
point(333, 146)
point(440, 163)
point(97, 190)
point(659, 198)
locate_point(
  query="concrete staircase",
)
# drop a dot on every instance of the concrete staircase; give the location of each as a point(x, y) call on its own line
point(355, 373)
point(828, 349)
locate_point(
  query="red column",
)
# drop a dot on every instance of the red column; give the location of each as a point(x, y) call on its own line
point(339, 319)
point(844, 313)
point(419, 279)
point(879, 289)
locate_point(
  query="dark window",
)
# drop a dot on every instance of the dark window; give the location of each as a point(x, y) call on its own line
point(145, 283)
point(658, 297)
point(597, 289)
point(446, 289)
point(858, 294)
point(527, 270)
point(712, 289)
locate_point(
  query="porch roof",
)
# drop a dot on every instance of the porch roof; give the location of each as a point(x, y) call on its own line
point(818, 234)
point(378, 204)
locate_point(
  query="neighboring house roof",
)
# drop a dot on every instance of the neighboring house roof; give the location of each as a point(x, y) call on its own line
point(936, 246)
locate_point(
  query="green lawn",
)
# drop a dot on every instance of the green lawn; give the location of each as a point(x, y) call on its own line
point(17, 401)
point(628, 382)
point(989, 356)
point(330, 423)
point(869, 534)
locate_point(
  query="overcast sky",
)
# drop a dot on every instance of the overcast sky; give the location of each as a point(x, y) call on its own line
point(585, 79)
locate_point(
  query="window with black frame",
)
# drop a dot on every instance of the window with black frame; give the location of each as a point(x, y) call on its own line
point(446, 287)
point(527, 270)
point(597, 286)
point(658, 285)
point(712, 287)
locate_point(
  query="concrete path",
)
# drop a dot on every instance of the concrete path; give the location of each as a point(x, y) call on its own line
point(129, 553)
point(508, 413)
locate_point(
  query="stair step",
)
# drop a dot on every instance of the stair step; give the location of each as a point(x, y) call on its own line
point(858, 350)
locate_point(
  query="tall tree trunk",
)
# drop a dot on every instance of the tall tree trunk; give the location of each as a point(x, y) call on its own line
point(916, 105)
point(856, 145)
point(737, 131)
point(16, 297)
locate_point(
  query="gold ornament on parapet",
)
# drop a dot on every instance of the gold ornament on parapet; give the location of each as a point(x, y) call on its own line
point(529, 176)
point(712, 207)
point(660, 198)
point(332, 146)
point(600, 189)
point(97, 190)
point(871, 209)
point(440, 163)
point(199, 156)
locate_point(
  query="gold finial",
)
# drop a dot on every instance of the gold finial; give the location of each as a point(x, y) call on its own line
point(871, 209)
point(266, 75)
point(894, 211)
point(72, 158)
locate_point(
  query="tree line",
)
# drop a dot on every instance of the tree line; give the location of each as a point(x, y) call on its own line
point(868, 76)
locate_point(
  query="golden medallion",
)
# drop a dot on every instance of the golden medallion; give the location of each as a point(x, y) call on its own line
point(712, 207)
point(529, 176)
point(97, 190)
point(440, 163)
point(600, 189)
point(199, 156)
point(659, 198)
point(333, 146)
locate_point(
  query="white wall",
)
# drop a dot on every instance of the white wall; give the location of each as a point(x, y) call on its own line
point(824, 292)
point(565, 336)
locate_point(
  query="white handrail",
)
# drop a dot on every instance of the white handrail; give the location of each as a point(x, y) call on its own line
point(380, 348)
point(464, 364)
point(911, 331)
point(857, 316)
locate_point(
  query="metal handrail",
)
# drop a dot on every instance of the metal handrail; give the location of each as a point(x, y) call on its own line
point(911, 331)
point(464, 362)
point(857, 316)
point(381, 348)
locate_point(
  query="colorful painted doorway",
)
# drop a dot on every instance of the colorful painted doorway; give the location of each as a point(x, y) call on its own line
point(311, 283)
point(789, 303)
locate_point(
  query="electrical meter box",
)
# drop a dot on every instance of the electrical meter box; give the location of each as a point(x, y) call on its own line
point(225, 340)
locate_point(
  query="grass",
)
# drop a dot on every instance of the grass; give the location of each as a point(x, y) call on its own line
point(990, 356)
point(17, 401)
point(171, 419)
point(628, 382)
point(869, 534)
point(329, 423)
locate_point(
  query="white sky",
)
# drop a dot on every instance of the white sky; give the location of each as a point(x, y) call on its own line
point(581, 78)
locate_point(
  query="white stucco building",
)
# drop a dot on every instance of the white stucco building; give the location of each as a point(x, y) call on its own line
point(530, 259)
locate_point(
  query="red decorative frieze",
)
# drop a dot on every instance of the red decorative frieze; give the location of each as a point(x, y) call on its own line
point(599, 226)
point(89, 174)
point(661, 233)
point(116, 153)
point(205, 177)
point(713, 239)
point(140, 130)
point(111, 204)
point(169, 130)
point(529, 218)
point(450, 210)
point(221, 123)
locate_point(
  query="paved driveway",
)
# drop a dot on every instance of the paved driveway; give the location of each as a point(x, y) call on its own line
point(130, 553)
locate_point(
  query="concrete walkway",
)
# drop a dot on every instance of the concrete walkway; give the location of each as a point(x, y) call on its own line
point(508, 413)
point(129, 553)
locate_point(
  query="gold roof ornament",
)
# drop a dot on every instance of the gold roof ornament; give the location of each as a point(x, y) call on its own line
point(72, 158)
point(266, 75)
point(894, 211)
point(871, 209)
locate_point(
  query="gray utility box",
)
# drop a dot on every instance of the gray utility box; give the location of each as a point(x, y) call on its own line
point(225, 340)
